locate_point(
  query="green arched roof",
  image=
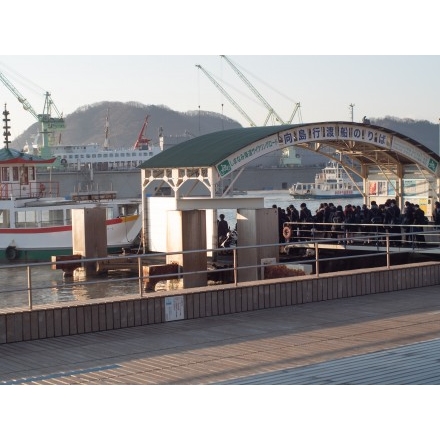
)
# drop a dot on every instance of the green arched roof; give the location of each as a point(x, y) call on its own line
point(209, 149)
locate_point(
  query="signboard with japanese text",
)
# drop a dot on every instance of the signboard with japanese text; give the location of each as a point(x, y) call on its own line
point(414, 153)
point(247, 154)
point(174, 308)
point(325, 132)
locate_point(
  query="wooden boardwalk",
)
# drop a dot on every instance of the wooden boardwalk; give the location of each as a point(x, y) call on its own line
point(387, 338)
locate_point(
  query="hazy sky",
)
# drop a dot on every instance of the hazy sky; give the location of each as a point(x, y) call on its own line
point(313, 61)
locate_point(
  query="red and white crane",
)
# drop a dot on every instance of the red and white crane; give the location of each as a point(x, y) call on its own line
point(142, 143)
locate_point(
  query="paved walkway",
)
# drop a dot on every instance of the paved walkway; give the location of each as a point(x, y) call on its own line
point(374, 339)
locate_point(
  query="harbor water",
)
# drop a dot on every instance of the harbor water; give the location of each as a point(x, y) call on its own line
point(49, 286)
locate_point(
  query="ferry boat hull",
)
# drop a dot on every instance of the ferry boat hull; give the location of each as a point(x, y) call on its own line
point(325, 195)
point(33, 244)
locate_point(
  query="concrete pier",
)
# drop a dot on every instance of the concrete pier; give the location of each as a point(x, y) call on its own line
point(68, 319)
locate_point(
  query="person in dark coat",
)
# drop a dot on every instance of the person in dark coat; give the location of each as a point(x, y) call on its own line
point(222, 229)
point(436, 213)
point(419, 220)
point(407, 222)
point(305, 216)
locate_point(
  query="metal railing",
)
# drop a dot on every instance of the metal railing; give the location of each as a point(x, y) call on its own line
point(375, 240)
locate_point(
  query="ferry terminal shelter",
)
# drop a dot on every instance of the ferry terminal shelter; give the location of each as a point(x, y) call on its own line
point(199, 174)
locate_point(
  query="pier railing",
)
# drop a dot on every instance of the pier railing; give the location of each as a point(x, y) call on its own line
point(307, 252)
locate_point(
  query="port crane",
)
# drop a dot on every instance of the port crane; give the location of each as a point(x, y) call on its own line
point(289, 154)
point(296, 109)
point(255, 92)
point(48, 123)
point(225, 93)
point(142, 143)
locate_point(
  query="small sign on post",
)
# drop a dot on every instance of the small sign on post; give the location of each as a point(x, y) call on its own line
point(174, 308)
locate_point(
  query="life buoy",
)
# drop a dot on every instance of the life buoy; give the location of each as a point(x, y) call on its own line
point(287, 232)
point(63, 161)
point(11, 253)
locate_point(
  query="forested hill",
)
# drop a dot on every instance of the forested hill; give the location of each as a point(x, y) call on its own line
point(424, 132)
point(88, 125)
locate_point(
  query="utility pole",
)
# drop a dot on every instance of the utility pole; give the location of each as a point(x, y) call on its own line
point(351, 111)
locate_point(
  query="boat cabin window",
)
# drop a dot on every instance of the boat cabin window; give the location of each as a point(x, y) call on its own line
point(24, 219)
point(24, 176)
point(29, 218)
point(5, 218)
point(5, 174)
point(52, 217)
point(125, 210)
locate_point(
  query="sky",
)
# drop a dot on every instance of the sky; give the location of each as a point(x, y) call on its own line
point(327, 88)
point(323, 57)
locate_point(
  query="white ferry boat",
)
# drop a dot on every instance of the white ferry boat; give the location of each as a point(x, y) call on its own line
point(333, 182)
point(103, 158)
point(76, 157)
point(36, 223)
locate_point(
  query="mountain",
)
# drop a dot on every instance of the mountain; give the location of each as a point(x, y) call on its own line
point(87, 125)
point(424, 132)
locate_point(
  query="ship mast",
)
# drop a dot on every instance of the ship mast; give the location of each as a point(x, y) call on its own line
point(6, 128)
point(106, 131)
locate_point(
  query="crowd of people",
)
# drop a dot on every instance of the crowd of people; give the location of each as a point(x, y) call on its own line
point(346, 223)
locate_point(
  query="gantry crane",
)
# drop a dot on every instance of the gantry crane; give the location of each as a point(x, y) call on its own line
point(48, 123)
point(251, 122)
point(255, 92)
